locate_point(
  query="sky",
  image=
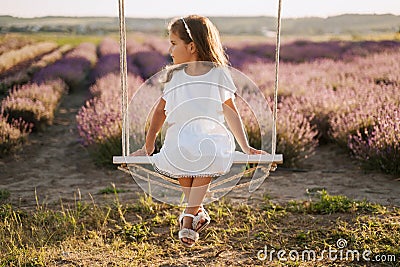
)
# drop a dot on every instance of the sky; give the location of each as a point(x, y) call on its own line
point(172, 8)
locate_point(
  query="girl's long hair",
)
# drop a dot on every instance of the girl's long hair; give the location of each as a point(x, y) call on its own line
point(206, 38)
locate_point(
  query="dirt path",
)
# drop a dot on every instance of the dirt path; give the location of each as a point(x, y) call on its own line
point(57, 166)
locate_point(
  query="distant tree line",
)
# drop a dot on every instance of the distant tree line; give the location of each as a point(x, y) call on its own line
point(343, 24)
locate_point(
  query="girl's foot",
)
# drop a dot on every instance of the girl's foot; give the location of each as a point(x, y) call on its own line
point(191, 224)
point(201, 220)
point(187, 223)
point(187, 235)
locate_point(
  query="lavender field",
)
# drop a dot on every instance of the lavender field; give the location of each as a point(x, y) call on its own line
point(60, 124)
point(338, 92)
point(333, 92)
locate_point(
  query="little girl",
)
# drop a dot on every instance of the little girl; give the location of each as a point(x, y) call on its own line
point(198, 98)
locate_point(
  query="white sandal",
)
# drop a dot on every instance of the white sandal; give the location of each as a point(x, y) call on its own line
point(186, 232)
point(203, 214)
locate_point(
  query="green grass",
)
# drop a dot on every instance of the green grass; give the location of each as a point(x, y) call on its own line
point(60, 38)
point(111, 190)
point(145, 233)
point(4, 195)
point(327, 204)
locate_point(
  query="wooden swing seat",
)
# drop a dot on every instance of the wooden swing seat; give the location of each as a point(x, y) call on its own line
point(239, 158)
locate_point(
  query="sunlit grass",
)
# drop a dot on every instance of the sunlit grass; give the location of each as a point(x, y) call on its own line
point(145, 232)
point(75, 39)
point(62, 38)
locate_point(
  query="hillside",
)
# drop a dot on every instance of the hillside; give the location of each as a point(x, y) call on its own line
point(343, 24)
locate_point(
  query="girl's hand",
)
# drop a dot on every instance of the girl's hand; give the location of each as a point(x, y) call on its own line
point(143, 151)
point(139, 152)
point(253, 151)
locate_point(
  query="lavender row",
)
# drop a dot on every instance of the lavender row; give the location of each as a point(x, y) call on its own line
point(303, 50)
point(12, 135)
point(99, 120)
point(109, 60)
point(24, 75)
point(147, 56)
point(314, 94)
point(73, 68)
point(341, 98)
point(35, 104)
point(378, 146)
point(143, 59)
point(13, 42)
point(12, 58)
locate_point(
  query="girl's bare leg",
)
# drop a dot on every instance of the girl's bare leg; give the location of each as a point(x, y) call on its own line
point(197, 194)
point(186, 184)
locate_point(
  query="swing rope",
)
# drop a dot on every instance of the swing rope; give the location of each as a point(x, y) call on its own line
point(277, 50)
point(125, 124)
point(211, 191)
point(124, 78)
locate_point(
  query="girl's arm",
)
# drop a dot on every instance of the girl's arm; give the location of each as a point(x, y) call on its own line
point(235, 124)
point(156, 123)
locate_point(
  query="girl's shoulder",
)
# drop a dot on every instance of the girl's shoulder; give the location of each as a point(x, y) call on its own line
point(216, 71)
point(179, 75)
point(223, 70)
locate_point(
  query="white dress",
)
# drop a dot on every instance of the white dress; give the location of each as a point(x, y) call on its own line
point(197, 142)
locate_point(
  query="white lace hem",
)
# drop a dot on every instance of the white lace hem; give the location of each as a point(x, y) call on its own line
point(198, 175)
